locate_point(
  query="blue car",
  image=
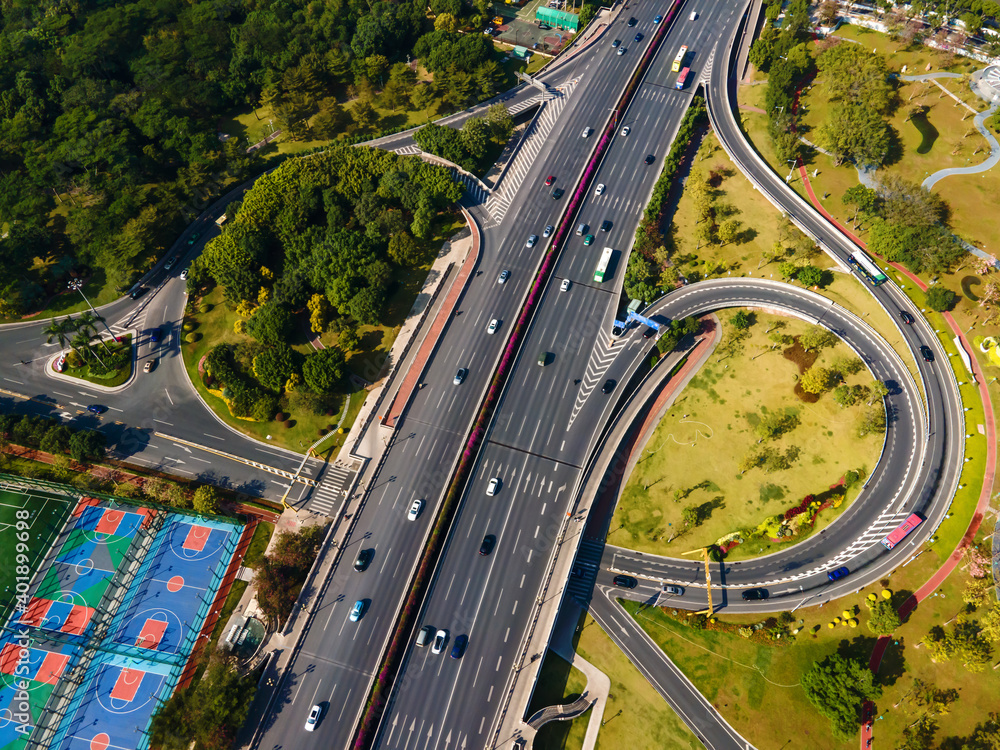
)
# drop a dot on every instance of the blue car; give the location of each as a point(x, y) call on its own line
point(836, 575)
point(155, 335)
point(461, 641)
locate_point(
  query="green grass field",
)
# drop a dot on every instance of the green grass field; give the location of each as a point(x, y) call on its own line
point(635, 717)
point(42, 517)
point(755, 683)
point(692, 458)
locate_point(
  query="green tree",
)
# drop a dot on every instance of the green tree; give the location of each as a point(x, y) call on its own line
point(270, 324)
point(872, 421)
point(56, 440)
point(810, 275)
point(882, 618)
point(403, 249)
point(364, 116)
point(815, 380)
point(206, 499)
point(742, 320)
point(836, 686)
point(587, 11)
point(817, 338)
point(940, 298)
point(86, 446)
point(730, 231)
point(772, 426)
point(323, 370)
point(274, 365)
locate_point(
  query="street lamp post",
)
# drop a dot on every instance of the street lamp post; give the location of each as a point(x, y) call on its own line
point(77, 284)
point(792, 162)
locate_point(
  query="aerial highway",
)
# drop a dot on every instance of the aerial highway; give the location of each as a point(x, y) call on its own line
point(337, 657)
point(549, 417)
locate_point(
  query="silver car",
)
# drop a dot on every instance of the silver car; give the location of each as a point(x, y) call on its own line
point(532, 240)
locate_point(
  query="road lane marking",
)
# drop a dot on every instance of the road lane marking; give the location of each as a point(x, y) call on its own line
point(162, 422)
point(11, 380)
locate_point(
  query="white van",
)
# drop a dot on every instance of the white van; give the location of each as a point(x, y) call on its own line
point(586, 132)
point(581, 230)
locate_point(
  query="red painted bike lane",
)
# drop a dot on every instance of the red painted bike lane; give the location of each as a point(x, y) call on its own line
point(991, 455)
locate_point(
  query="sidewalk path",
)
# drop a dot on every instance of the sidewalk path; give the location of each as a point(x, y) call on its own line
point(991, 449)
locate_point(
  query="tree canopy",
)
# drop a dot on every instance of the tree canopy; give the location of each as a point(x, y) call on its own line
point(837, 686)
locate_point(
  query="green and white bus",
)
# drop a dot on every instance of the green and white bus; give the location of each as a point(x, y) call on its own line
point(602, 264)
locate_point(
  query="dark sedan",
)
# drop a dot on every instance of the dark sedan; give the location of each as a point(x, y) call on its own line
point(626, 582)
point(752, 595)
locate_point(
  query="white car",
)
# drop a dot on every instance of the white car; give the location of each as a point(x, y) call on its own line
point(693, 16)
point(314, 716)
point(502, 278)
point(532, 240)
point(626, 130)
point(548, 230)
point(493, 487)
point(600, 189)
point(492, 327)
point(184, 273)
point(418, 505)
point(357, 610)
point(440, 640)
point(564, 287)
point(586, 131)
point(621, 51)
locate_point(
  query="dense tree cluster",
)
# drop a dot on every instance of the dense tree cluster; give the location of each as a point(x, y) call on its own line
point(468, 146)
point(856, 81)
point(910, 227)
point(837, 686)
point(328, 234)
point(110, 112)
point(280, 575)
point(783, 55)
point(208, 712)
point(51, 436)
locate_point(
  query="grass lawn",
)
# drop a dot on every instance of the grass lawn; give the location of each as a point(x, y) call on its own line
point(111, 380)
point(925, 145)
point(692, 458)
point(258, 543)
point(755, 683)
point(763, 227)
point(635, 717)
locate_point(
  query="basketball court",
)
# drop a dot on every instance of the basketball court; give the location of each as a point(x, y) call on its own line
point(149, 578)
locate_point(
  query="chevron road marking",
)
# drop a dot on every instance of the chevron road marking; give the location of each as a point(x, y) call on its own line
point(554, 102)
point(601, 357)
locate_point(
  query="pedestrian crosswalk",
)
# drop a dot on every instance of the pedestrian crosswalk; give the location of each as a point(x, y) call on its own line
point(408, 150)
point(331, 491)
point(585, 567)
point(552, 102)
point(874, 534)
